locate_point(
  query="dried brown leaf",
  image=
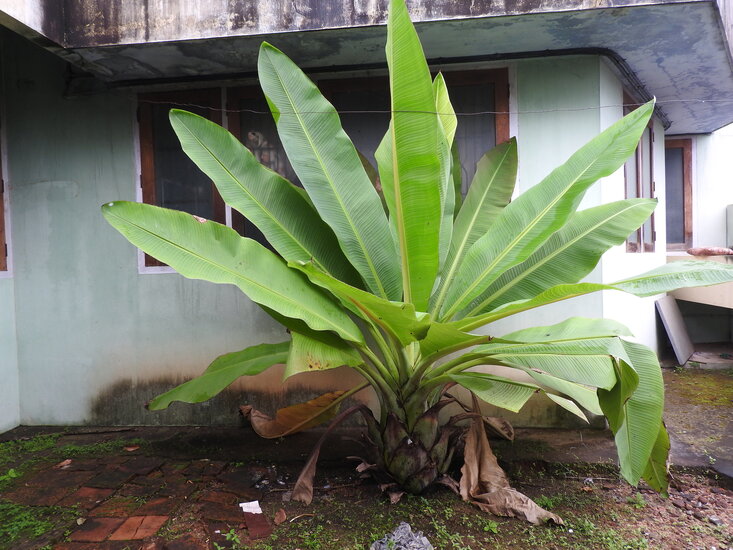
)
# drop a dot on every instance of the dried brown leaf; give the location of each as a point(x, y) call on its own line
point(294, 418)
point(500, 427)
point(485, 485)
point(303, 490)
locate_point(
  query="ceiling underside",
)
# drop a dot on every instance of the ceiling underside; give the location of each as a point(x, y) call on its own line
point(678, 52)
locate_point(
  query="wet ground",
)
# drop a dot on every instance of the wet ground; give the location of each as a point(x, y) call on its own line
point(179, 488)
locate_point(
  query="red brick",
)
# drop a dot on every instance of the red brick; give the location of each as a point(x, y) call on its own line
point(59, 478)
point(110, 479)
point(38, 496)
point(219, 512)
point(95, 529)
point(117, 507)
point(220, 497)
point(157, 507)
point(187, 542)
point(257, 526)
point(141, 465)
point(86, 497)
point(139, 527)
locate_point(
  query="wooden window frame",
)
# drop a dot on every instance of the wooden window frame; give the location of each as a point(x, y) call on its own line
point(641, 245)
point(686, 145)
point(210, 97)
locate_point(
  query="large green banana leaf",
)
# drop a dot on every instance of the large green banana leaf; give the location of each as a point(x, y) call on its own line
point(329, 168)
point(497, 390)
point(408, 161)
point(583, 361)
point(398, 318)
point(446, 127)
point(507, 393)
point(201, 249)
point(655, 473)
point(529, 220)
point(442, 339)
point(491, 190)
point(273, 204)
point(666, 278)
point(569, 254)
point(222, 372)
point(674, 275)
point(635, 414)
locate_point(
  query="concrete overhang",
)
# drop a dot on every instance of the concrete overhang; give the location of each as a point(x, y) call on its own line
point(676, 51)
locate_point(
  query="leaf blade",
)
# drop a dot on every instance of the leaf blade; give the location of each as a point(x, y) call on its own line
point(222, 372)
point(207, 250)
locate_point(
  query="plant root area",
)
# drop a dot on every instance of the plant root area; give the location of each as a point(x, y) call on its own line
point(179, 489)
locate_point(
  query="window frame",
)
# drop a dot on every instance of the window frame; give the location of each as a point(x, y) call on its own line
point(207, 97)
point(686, 145)
point(641, 245)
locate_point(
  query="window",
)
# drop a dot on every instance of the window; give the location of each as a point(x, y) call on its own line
point(678, 201)
point(639, 178)
point(170, 179)
point(484, 91)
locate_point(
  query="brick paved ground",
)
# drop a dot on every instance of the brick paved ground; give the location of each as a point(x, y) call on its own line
point(174, 489)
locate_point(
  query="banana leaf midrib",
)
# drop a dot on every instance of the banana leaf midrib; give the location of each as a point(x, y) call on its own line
point(238, 275)
point(329, 178)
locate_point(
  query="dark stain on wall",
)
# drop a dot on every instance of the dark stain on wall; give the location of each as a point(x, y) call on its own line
point(123, 404)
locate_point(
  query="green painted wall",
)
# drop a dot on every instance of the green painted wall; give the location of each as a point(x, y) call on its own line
point(9, 407)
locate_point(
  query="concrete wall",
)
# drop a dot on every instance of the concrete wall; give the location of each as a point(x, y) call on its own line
point(712, 187)
point(96, 339)
point(9, 406)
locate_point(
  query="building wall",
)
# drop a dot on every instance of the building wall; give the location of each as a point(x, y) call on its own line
point(712, 190)
point(96, 339)
point(9, 406)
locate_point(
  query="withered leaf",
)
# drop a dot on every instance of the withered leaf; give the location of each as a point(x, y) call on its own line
point(485, 485)
point(294, 418)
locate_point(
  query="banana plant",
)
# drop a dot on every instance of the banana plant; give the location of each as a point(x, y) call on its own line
point(397, 289)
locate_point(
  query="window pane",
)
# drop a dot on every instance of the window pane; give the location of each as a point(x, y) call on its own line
point(675, 200)
point(179, 184)
point(630, 172)
point(476, 134)
point(366, 129)
point(259, 135)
